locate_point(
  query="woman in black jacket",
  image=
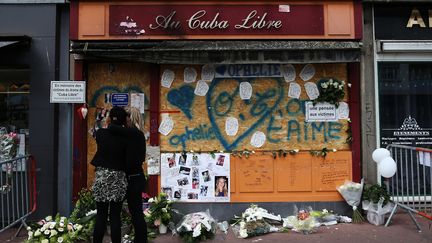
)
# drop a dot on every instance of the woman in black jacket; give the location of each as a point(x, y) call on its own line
point(109, 188)
point(135, 156)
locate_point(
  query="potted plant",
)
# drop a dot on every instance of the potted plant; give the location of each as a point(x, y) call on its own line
point(376, 200)
point(160, 212)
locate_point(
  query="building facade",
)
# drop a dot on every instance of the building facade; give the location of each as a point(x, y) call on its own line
point(33, 52)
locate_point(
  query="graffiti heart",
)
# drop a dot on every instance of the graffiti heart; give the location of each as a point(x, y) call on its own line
point(221, 105)
point(182, 98)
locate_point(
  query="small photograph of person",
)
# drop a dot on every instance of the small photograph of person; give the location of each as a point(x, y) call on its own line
point(195, 172)
point(220, 161)
point(195, 160)
point(184, 170)
point(183, 182)
point(168, 191)
point(182, 159)
point(192, 195)
point(195, 183)
point(171, 162)
point(206, 176)
point(221, 186)
point(177, 194)
point(203, 191)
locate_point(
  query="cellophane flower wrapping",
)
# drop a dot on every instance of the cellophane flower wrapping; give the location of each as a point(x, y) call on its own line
point(352, 192)
point(195, 227)
point(302, 221)
point(8, 144)
point(376, 211)
point(255, 221)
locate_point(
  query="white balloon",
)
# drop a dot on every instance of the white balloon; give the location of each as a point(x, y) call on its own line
point(379, 154)
point(387, 167)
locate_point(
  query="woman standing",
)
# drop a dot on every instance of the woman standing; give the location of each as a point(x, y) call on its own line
point(109, 188)
point(135, 156)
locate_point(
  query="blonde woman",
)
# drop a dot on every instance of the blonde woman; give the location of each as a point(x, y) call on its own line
point(135, 156)
point(221, 186)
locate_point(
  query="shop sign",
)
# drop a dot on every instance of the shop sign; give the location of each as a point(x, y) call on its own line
point(409, 134)
point(248, 70)
point(320, 112)
point(192, 19)
point(67, 92)
point(403, 22)
point(120, 99)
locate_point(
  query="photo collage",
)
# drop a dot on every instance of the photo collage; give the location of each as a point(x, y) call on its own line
point(192, 177)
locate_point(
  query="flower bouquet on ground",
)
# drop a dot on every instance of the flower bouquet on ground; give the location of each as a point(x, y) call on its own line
point(324, 217)
point(302, 222)
point(160, 212)
point(255, 221)
point(352, 193)
point(376, 200)
point(195, 227)
point(58, 229)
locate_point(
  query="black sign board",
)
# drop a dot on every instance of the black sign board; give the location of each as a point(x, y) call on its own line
point(403, 22)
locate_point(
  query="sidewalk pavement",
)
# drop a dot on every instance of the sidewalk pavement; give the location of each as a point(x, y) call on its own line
point(401, 230)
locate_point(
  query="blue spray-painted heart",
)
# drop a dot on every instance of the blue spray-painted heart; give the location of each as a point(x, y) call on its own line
point(221, 102)
point(183, 99)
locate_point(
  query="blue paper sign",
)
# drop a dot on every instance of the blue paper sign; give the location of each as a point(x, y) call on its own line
point(120, 99)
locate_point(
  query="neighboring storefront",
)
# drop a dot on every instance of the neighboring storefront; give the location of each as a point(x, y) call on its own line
point(31, 55)
point(398, 76)
point(225, 91)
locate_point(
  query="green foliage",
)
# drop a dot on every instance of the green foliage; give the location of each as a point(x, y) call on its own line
point(331, 91)
point(188, 238)
point(375, 192)
point(160, 210)
point(85, 204)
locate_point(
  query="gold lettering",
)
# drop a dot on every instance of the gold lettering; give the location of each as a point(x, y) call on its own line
point(415, 19)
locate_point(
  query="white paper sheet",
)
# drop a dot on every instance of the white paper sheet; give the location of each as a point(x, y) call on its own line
point(231, 126)
point(167, 78)
point(425, 158)
point(258, 139)
point(289, 72)
point(245, 90)
point(166, 125)
point(190, 75)
point(137, 101)
point(294, 90)
point(201, 88)
point(311, 90)
point(207, 72)
point(343, 110)
point(307, 72)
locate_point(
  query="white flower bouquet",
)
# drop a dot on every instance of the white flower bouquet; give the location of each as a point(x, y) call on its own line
point(331, 91)
point(255, 221)
point(302, 222)
point(195, 227)
point(58, 229)
point(352, 193)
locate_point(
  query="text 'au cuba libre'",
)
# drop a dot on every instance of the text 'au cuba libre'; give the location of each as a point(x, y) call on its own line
point(252, 21)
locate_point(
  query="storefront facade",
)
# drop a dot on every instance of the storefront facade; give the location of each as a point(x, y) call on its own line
point(33, 52)
point(400, 75)
point(225, 92)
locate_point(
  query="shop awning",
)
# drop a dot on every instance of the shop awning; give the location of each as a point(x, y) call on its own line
point(14, 40)
point(226, 52)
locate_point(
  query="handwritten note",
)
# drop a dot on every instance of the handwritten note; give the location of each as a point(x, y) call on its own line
point(294, 90)
point(343, 110)
point(288, 72)
point(207, 72)
point(189, 75)
point(167, 78)
point(245, 90)
point(311, 90)
point(258, 139)
point(166, 125)
point(256, 175)
point(201, 88)
point(307, 72)
point(333, 171)
point(231, 126)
